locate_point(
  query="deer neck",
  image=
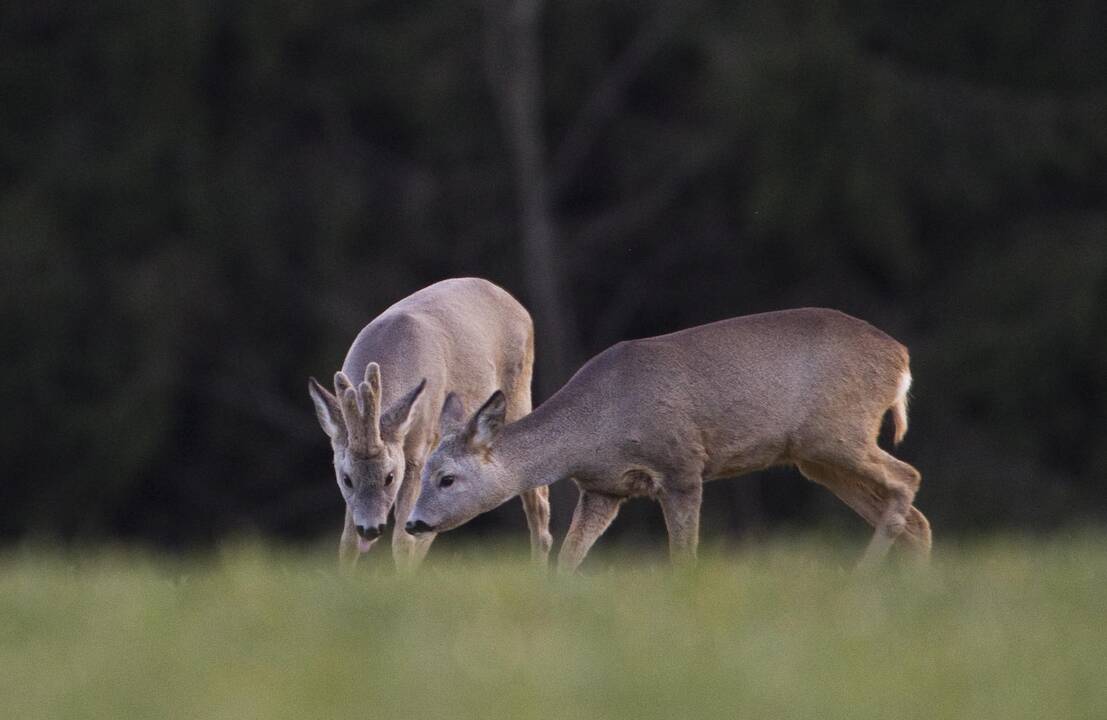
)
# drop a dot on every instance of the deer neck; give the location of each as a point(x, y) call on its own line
point(545, 446)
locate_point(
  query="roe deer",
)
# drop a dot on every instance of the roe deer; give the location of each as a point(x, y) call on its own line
point(660, 416)
point(464, 335)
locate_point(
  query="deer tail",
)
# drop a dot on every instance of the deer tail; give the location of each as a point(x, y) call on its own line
point(899, 407)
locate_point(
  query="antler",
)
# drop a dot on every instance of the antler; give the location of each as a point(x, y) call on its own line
point(361, 409)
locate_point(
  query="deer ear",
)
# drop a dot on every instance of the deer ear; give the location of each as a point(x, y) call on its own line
point(485, 425)
point(326, 409)
point(453, 415)
point(396, 422)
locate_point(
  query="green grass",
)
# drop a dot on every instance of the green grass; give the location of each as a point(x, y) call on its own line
point(1012, 629)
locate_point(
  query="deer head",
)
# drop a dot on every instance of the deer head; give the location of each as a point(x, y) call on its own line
point(368, 446)
point(461, 478)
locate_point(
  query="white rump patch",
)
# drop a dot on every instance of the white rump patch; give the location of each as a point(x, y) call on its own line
point(903, 389)
point(899, 407)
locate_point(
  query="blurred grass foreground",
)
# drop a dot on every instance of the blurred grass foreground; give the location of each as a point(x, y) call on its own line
point(993, 630)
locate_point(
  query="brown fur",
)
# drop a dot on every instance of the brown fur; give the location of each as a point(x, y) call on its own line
point(662, 415)
point(465, 336)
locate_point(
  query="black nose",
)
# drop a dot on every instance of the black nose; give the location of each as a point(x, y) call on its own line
point(370, 533)
point(418, 526)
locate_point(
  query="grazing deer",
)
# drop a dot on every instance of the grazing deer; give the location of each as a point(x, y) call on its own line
point(463, 335)
point(660, 416)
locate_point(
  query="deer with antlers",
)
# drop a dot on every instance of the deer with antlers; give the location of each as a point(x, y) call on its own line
point(465, 336)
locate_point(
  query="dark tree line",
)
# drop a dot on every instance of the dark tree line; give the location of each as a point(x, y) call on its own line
point(201, 204)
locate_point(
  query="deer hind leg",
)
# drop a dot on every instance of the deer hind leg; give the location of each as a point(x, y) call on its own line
point(880, 489)
point(536, 505)
point(901, 482)
point(916, 535)
point(593, 515)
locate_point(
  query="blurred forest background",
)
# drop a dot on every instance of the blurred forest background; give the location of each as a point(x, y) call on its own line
point(201, 203)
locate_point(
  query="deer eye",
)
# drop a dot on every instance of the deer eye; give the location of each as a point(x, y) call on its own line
point(446, 481)
point(388, 480)
point(347, 481)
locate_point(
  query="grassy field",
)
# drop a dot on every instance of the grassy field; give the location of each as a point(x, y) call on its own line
point(1013, 629)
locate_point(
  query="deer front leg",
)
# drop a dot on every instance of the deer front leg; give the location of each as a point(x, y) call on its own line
point(536, 505)
point(682, 518)
point(347, 545)
point(593, 515)
point(408, 550)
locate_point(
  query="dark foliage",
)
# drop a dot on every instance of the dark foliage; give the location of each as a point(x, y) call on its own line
point(201, 204)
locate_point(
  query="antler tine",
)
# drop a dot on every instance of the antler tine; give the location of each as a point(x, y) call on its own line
point(347, 402)
point(354, 419)
point(371, 402)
